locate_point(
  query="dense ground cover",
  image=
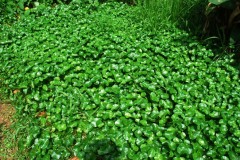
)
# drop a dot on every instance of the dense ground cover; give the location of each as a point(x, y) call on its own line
point(91, 82)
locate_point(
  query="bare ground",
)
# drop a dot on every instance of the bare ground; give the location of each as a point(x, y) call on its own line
point(6, 144)
point(6, 113)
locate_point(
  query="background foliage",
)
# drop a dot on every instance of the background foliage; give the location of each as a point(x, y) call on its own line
point(90, 81)
point(10, 10)
point(223, 19)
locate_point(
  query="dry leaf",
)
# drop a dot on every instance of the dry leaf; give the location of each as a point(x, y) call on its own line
point(84, 135)
point(74, 158)
point(42, 114)
point(16, 91)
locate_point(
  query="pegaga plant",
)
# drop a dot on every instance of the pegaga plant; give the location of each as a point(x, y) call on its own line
point(91, 82)
point(224, 15)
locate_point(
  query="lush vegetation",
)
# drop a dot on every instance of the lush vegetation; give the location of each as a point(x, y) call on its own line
point(91, 81)
point(153, 11)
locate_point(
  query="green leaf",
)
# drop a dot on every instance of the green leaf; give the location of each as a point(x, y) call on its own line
point(144, 122)
point(127, 115)
point(56, 155)
point(154, 97)
point(170, 133)
point(184, 149)
point(97, 122)
point(61, 126)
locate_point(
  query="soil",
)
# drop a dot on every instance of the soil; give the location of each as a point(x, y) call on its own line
point(6, 114)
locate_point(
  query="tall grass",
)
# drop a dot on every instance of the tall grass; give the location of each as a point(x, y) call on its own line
point(159, 12)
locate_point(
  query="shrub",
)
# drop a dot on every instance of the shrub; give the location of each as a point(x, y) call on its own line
point(96, 85)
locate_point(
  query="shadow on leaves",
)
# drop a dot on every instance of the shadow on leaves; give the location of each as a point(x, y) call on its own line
point(104, 149)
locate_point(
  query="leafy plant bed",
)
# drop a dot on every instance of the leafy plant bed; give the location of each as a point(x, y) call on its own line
point(90, 82)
